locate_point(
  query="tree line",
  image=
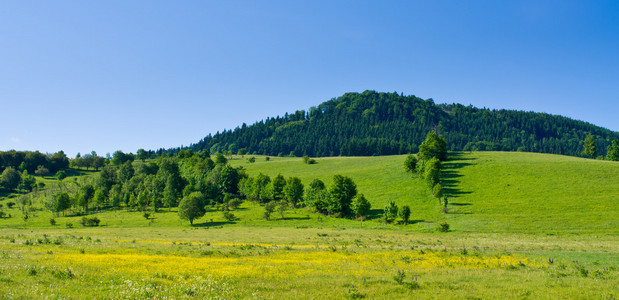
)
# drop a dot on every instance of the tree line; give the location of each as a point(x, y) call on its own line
point(372, 123)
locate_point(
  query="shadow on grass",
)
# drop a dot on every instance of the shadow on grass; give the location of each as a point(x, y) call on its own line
point(295, 218)
point(450, 174)
point(459, 204)
point(375, 214)
point(212, 224)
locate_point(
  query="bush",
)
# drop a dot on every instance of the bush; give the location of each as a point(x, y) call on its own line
point(234, 203)
point(229, 216)
point(443, 227)
point(10, 204)
point(69, 225)
point(94, 221)
point(52, 222)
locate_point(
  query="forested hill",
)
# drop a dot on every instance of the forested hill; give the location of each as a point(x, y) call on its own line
point(373, 123)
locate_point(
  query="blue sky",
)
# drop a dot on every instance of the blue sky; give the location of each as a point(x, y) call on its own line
point(121, 75)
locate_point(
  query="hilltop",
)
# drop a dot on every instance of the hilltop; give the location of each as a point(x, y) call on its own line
point(373, 123)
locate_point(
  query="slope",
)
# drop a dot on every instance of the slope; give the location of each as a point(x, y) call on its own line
point(488, 191)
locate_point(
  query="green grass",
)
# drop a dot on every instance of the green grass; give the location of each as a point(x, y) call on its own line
point(522, 209)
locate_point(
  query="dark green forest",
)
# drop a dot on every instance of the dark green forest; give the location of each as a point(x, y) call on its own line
point(373, 123)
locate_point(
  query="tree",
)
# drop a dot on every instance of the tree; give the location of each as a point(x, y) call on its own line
point(229, 180)
point(251, 160)
point(170, 194)
point(141, 154)
point(293, 191)
point(405, 214)
point(10, 178)
point(391, 211)
point(242, 152)
point(61, 175)
point(410, 163)
point(282, 206)
point(268, 209)
point(220, 159)
point(125, 172)
point(317, 196)
point(61, 202)
point(28, 182)
point(106, 179)
point(192, 207)
point(590, 149)
point(278, 186)
point(119, 158)
point(86, 194)
point(433, 146)
point(361, 206)
point(341, 194)
point(613, 151)
point(437, 191)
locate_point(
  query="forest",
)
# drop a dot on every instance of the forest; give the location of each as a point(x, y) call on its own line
point(376, 123)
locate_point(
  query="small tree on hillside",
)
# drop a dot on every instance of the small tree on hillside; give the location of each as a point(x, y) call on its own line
point(590, 149)
point(192, 207)
point(361, 206)
point(437, 191)
point(405, 214)
point(410, 163)
point(391, 211)
point(293, 190)
point(613, 151)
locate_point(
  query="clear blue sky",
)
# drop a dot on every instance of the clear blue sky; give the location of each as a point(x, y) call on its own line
point(121, 75)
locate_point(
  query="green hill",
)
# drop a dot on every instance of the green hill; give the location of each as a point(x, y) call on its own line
point(372, 123)
point(488, 191)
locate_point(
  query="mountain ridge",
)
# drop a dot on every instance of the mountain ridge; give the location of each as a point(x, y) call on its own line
point(376, 123)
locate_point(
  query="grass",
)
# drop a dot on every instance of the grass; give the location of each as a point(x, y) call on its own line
point(523, 225)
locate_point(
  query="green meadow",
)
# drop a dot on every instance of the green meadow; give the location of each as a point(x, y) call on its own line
point(522, 225)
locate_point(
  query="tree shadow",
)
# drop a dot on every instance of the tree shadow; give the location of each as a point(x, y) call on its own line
point(374, 214)
point(459, 204)
point(450, 174)
point(212, 224)
point(286, 218)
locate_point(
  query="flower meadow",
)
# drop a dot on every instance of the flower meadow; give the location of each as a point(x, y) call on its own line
point(329, 265)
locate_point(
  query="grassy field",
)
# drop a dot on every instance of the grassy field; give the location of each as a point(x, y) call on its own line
point(524, 225)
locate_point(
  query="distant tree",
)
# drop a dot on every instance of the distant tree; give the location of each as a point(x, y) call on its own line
point(229, 180)
point(278, 184)
point(269, 207)
point(433, 146)
point(61, 202)
point(220, 159)
point(125, 172)
point(99, 198)
point(317, 196)
point(410, 163)
point(405, 214)
point(97, 162)
point(141, 154)
point(432, 172)
point(106, 179)
point(251, 160)
point(10, 178)
point(361, 206)
point(42, 171)
point(293, 190)
point(306, 159)
point(28, 182)
point(242, 152)
point(119, 158)
point(341, 194)
point(282, 207)
point(58, 161)
point(192, 207)
point(391, 211)
point(170, 196)
point(613, 151)
point(61, 175)
point(86, 194)
point(437, 191)
point(590, 149)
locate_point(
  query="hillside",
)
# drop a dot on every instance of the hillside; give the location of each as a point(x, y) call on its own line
point(372, 123)
point(488, 191)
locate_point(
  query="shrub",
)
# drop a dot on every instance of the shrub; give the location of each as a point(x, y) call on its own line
point(443, 227)
point(69, 225)
point(52, 222)
point(229, 216)
point(234, 203)
point(10, 204)
point(94, 221)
